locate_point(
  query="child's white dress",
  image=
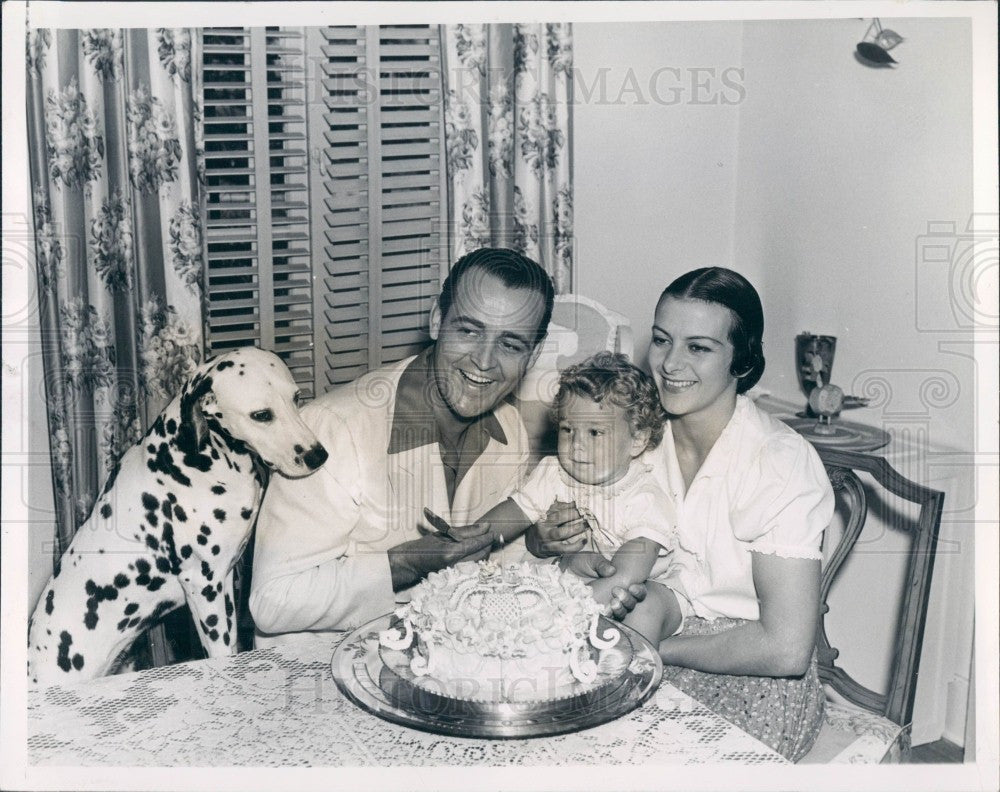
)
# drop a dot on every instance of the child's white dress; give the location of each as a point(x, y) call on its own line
point(633, 507)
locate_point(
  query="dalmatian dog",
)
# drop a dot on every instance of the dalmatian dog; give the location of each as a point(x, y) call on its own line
point(173, 519)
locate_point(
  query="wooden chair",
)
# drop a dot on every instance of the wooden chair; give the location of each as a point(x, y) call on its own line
point(875, 727)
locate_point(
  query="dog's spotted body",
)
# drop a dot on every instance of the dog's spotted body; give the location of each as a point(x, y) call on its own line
point(173, 519)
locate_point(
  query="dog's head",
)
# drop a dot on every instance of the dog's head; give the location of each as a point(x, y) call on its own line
point(248, 397)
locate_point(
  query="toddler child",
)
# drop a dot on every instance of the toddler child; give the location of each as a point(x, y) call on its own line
point(609, 414)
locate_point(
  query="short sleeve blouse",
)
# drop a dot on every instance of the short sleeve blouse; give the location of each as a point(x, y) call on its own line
point(761, 489)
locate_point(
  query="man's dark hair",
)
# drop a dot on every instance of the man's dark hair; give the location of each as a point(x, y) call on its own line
point(732, 290)
point(514, 270)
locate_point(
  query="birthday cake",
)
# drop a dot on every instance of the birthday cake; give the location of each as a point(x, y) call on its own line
point(490, 632)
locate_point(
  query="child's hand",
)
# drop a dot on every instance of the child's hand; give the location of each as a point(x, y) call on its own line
point(562, 530)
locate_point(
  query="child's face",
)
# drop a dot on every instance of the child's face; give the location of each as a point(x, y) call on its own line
point(595, 441)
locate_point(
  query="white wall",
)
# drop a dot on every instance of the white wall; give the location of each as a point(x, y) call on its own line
point(841, 168)
point(27, 475)
point(41, 504)
point(818, 186)
point(654, 171)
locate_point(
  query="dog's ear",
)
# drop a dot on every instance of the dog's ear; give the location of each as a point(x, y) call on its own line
point(193, 431)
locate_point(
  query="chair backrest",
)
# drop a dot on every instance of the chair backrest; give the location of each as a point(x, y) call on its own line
point(580, 327)
point(843, 468)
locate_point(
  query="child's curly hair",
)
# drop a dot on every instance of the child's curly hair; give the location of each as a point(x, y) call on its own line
point(608, 376)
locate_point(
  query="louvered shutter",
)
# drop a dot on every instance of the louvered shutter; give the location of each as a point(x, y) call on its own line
point(257, 212)
point(377, 194)
point(342, 278)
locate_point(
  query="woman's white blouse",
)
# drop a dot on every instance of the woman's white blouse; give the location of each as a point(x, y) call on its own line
point(762, 489)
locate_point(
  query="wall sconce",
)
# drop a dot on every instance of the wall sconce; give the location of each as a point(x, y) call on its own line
point(873, 49)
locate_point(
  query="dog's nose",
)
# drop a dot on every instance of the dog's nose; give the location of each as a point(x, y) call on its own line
point(315, 456)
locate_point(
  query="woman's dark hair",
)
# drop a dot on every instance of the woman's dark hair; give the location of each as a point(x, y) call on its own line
point(732, 290)
point(514, 270)
point(610, 377)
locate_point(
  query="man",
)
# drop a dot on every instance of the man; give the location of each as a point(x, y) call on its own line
point(436, 431)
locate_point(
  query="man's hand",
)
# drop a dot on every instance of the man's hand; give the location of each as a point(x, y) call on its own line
point(412, 561)
point(562, 530)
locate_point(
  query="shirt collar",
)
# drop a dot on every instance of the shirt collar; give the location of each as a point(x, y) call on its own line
point(718, 459)
point(413, 423)
point(637, 470)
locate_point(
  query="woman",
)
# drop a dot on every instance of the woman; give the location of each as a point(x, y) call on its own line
point(753, 500)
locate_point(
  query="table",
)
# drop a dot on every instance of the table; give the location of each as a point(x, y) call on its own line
point(280, 707)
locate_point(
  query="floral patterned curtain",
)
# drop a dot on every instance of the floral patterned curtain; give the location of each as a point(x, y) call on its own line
point(508, 135)
point(114, 150)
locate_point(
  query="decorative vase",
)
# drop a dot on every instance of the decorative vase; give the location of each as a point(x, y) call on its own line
point(814, 362)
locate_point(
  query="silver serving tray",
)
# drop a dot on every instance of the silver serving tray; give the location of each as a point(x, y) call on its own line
point(362, 675)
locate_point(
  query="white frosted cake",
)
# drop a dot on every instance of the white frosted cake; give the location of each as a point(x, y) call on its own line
point(484, 631)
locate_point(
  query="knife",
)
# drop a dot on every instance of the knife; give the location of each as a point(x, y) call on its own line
point(441, 528)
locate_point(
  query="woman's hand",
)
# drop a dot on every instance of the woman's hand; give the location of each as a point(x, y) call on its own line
point(602, 590)
point(588, 565)
point(562, 530)
point(597, 571)
point(624, 600)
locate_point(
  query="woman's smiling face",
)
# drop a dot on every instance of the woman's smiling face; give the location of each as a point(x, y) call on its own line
point(690, 357)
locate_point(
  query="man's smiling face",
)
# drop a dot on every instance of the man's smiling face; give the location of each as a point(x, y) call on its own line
point(485, 343)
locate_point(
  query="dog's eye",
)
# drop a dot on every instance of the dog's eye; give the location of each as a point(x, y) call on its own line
point(297, 398)
point(264, 416)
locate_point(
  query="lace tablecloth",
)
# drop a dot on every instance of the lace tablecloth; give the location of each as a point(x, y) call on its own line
point(281, 707)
